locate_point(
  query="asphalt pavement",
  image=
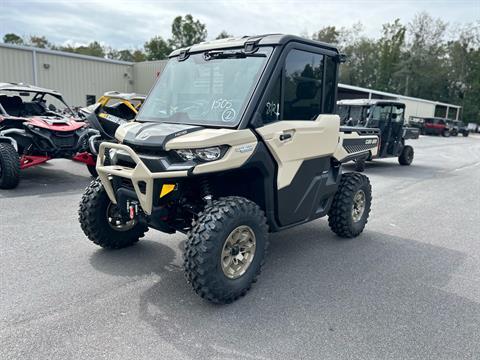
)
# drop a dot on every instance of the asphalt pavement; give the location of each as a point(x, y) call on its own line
point(407, 288)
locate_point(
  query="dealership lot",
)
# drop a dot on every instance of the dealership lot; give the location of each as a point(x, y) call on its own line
point(408, 287)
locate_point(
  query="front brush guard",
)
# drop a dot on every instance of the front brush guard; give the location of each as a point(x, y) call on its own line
point(140, 173)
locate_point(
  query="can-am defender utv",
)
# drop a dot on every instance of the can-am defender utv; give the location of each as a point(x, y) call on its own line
point(385, 118)
point(106, 115)
point(237, 139)
point(36, 125)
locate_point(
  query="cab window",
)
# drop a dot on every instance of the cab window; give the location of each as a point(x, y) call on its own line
point(303, 85)
point(398, 114)
point(379, 116)
point(271, 109)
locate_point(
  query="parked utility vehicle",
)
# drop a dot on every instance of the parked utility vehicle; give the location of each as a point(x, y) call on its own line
point(36, 125)
point(237, 139)
point(384, 118)
point(436, 126)
point(106, 115)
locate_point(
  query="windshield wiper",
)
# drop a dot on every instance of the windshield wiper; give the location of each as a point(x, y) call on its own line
point(220, 54)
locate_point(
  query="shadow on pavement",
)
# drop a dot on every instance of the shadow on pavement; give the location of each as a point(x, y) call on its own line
point(145, 257)
point(316, 291)
point(49, 179)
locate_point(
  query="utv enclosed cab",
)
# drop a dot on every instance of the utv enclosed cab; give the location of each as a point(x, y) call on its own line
point(389, 118)
point(238, 137)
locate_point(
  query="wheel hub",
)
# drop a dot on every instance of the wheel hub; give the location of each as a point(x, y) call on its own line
point(358, 207)
point(238, 252)
point(116, 220)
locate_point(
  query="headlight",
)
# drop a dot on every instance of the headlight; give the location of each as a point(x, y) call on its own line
point(205, 154)
point(209, 154)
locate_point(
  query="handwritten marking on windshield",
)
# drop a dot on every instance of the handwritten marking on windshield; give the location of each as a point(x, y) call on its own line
point(228, 115)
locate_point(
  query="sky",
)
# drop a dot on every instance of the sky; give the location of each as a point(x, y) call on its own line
point(128, 24)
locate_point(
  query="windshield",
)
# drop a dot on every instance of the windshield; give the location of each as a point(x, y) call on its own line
point(205, 90)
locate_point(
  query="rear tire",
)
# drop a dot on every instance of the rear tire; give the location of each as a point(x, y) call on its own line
point(9, 166)
point(348, 216)
point(211, 256)
point(465, 133)
point(94, 212)
point(406, 157)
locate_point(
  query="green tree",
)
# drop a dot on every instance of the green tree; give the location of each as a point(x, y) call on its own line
point(186, 32)
point(92, 49)
point(327, 34)
point(138, 56)
point(157, 48)
point(223, 35)
point(39, 42)
point(12, 38)
point(390, 48)
point(423, 66)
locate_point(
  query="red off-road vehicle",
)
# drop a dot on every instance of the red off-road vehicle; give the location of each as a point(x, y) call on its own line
point(36, 125)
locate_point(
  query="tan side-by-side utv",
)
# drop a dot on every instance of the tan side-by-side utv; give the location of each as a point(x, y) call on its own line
point(237, 139)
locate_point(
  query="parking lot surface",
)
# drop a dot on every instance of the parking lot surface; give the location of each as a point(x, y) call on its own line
point(407, 288)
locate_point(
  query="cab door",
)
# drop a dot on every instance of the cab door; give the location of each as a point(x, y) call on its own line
point(299, 136)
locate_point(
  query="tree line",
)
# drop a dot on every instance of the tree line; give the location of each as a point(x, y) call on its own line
point(425, 58)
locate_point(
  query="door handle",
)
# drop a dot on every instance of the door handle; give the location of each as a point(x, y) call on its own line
point(285, 136)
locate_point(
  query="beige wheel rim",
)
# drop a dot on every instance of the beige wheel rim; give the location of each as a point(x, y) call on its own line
point(358, 207)
point(238, 252)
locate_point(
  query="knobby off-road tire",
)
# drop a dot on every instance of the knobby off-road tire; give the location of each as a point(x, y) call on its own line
point(9, 167)
point(93, 215)
point(204, 259)
point(93, 171)
point(406, 157)
point(341, 218)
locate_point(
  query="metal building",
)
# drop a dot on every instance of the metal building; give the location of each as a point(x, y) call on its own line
point(83, 79)
point(414, 107)
point(77, 77)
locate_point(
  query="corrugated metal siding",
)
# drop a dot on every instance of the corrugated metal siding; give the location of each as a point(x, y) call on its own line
point(76, 78)
point(145, 75)
point(16, 66)
point(417, 108)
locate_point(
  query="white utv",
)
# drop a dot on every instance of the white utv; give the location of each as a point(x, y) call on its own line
point(238, 138)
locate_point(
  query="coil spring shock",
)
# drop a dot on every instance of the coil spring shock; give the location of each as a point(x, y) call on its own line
point(205, 190)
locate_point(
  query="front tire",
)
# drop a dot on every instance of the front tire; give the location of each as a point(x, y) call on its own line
point(225, 249)
point(9, 167)
point(446, 133)
point(101, 222)
point(350, 208)
point(93, 171)
point(406, 157)
point(465, 133)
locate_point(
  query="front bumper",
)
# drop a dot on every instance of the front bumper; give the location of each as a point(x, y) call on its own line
point(141, 177)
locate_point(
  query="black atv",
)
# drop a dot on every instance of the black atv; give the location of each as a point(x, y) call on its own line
point(388, 118)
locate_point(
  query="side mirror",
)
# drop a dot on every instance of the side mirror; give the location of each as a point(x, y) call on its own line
point(394, 116)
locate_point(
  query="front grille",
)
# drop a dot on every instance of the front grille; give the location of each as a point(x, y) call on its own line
point(64, 142)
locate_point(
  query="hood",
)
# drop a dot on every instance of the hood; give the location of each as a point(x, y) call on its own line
point(55, 123)
point(152, 135)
